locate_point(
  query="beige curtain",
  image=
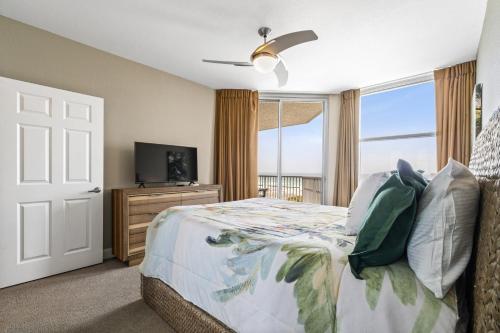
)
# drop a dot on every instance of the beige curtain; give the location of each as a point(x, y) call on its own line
point(346, 174)
point(236, 128)
point(454, 89)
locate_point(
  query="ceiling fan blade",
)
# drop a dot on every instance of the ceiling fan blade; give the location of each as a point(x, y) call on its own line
point(234, 63)
point(281, 43)
point(281, 73)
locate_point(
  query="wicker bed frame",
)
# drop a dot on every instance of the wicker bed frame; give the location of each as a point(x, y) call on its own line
point(482, 277)
point(181, 315)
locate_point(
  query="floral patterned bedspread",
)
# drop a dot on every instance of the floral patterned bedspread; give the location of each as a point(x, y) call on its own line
point(263, 265)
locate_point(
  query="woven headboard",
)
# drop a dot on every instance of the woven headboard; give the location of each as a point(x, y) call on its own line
point(484, 268)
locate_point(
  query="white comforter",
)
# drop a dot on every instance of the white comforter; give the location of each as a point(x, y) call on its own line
point(264, 265)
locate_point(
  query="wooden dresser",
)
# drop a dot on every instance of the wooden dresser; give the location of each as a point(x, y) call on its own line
point(135, 208)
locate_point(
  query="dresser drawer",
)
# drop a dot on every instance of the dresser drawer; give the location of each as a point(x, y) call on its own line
point(201, 201)
point(135, 238)
point(149, 208)
point(141, 218)
point(199, 198)
point(153, 198)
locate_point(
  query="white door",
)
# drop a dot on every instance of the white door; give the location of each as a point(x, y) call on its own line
point(51, 156)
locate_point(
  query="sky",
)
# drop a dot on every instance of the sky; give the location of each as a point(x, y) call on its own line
point(301, 149)
point(406, 110)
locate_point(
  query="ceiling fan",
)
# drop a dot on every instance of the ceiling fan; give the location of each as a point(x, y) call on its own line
point(266, 58)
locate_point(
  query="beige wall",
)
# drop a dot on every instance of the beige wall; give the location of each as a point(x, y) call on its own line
point(140, 103)
point(488, 60)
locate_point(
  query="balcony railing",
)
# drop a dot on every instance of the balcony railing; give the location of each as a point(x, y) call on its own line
point(293, 188)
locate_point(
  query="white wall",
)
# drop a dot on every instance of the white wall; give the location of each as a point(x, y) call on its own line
point(488, 60)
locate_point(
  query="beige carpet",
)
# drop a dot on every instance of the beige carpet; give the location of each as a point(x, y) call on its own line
point(101, 298)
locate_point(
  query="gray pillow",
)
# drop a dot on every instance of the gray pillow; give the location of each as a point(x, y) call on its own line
point(361, 200)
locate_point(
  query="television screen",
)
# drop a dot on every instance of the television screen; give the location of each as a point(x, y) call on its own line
point(155, 163)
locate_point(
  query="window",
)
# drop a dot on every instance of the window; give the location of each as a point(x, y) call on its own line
point(398, 123)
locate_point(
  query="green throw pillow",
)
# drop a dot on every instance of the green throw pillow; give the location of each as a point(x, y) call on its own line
point(389, 220)
point(382, 239)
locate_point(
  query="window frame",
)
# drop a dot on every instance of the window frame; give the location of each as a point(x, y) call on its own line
point(385, 87)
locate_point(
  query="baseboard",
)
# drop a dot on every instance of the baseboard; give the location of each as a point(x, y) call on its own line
point(107, 253)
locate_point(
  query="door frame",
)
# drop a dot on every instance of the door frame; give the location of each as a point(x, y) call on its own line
point(292, 97)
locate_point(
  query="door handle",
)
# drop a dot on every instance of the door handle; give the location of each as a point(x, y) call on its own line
point(97, 189)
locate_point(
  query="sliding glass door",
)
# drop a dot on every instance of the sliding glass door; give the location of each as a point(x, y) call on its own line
point(291, 149)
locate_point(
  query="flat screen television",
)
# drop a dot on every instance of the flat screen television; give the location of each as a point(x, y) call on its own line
point(156, 163)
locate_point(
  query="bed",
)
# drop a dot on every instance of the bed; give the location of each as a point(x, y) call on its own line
point(262, 265)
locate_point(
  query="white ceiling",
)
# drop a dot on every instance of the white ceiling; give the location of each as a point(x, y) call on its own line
point(361, 42)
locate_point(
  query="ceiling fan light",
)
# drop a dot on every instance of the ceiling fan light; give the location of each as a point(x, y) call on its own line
point(265, 62)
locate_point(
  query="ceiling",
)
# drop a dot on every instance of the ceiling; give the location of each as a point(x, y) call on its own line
point(361, 42)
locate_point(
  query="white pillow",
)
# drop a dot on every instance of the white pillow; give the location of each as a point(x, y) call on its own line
point(440, 245)
point(361, 200)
